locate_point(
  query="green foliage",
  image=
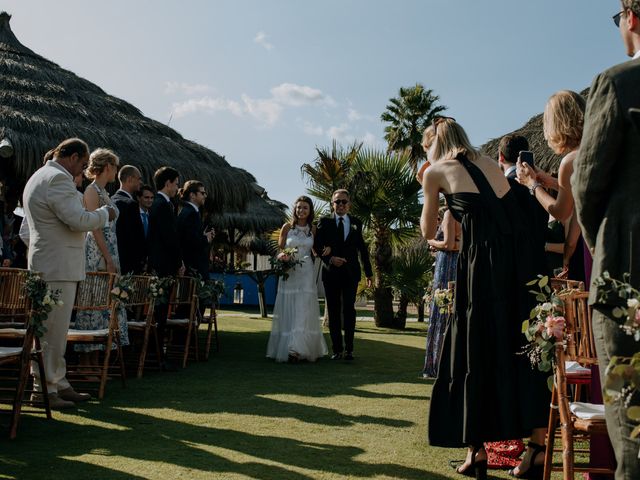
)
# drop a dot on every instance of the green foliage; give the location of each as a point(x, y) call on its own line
point(160, 289)
point(42, 299)
point(412, 271)
point(407, 116)
point(122, 290)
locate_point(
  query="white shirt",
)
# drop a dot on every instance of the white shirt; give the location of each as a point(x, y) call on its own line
point(126, 193)
point(194, 206)
point(509, 170)
point(347, 224)
point(636, 55)
point(166, 197)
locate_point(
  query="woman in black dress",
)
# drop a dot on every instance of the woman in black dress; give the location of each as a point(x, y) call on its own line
point(484, 391)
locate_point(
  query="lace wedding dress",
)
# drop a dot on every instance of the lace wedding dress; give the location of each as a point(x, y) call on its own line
point(296, 328)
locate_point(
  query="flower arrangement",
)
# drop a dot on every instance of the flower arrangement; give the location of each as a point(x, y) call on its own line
point(443, 299)
point(284, 261)
point(43, 299)
point(122, 291)
point(622, 379)
point(159, 289)
point(544, 328)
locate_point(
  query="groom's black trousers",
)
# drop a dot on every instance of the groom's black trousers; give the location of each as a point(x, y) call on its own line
point(340, 294)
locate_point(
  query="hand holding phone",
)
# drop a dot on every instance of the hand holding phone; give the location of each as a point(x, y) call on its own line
point(526, 156)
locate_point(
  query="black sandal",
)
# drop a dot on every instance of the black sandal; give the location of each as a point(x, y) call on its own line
point(534, 472)
point(477, 468)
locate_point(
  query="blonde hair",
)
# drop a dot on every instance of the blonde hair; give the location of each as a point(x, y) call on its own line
point(427, 136)
point(563, 121)
point(450, 139)
point(98, 161)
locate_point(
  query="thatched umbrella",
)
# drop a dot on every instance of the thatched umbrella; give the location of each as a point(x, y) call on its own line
point(42, 104)
point(532, 130)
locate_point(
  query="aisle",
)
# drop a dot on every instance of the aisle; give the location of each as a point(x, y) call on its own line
point(240, 416)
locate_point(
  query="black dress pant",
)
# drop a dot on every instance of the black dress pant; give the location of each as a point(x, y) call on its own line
point(340, 294)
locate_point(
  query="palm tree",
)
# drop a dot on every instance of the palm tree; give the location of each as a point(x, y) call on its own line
point(407, 116)
point(384, 194)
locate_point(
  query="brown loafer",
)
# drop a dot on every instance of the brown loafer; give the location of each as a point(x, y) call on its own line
point(71, 395)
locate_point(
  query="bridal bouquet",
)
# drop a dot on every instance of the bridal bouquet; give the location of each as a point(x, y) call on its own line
point(544, 328)
point(43, 299)
point(284, 261)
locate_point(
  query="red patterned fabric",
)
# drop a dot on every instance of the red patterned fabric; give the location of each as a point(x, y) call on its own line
point(505, 454)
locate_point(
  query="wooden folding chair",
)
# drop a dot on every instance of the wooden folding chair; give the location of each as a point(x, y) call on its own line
point(19, 345)
point(94, 294)
point(563, 284)
point(580, 349)
point(181, 321)
point(209, 317)
point(140, 322)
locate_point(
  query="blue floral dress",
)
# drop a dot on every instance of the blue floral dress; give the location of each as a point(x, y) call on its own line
point(94, 262)
point(444, 272)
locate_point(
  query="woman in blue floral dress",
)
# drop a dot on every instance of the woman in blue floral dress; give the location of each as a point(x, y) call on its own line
point(101, 250)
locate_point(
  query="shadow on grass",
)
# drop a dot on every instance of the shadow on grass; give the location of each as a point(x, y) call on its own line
point(238, 380)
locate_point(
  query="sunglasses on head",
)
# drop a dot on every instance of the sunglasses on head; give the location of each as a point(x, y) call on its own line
point(341, 202)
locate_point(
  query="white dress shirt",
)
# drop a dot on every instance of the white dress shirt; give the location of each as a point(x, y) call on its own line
point(509, 170)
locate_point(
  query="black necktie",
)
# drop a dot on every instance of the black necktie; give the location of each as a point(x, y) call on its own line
point(341, 230)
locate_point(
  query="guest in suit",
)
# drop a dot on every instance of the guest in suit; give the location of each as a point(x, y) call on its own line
point(342, 233)
point(194, 241)
point(606, 193)
point(145, 200)
point(57, 225)
point(165, 258)
point(132, 246)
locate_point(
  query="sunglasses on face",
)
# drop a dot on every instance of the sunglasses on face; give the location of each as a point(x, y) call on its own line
point(340, 202)
point(616, 18)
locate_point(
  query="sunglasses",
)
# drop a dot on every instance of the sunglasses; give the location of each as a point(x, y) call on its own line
point(340, 202)
point(616, 17)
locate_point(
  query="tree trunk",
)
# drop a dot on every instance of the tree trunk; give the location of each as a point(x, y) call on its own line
point(421, 310)
point(382, 295)
point(400, 320)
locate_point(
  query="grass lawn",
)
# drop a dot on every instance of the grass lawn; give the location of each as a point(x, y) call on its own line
point(241, 416)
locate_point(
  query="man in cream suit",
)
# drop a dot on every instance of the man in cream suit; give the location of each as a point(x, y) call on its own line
point(57, 225)
point(607, 197)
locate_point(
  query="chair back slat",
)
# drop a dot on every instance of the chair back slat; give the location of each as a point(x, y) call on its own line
point(94, 292)
point(562, 284)
point(14, 302)
point(184, 290)
point(141, 292)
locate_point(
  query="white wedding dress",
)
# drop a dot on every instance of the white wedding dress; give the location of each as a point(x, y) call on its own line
point(296, 328)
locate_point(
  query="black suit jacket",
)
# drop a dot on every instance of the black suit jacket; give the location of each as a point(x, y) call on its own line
point(132, 244)
point(354, 244)
point(539, 220)
point(165, 257)
point(193, 243)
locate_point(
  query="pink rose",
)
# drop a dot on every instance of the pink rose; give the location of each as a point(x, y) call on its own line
point(283, 257)
point(541, 327)
point(555, 326)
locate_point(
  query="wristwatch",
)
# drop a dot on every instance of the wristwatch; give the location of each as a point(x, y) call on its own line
point(532, 188)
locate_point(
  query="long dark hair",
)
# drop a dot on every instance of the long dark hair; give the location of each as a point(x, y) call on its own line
point(294, 217)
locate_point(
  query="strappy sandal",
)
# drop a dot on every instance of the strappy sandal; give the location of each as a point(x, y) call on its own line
point(477, 468)
point(534, 472)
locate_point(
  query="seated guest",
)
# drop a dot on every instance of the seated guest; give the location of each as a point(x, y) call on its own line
point(129, 227)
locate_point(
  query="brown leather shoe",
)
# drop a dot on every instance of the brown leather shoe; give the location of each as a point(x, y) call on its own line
point(55, 402)
point(71, 395)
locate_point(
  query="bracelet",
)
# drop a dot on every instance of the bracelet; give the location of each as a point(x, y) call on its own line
point(532, 188)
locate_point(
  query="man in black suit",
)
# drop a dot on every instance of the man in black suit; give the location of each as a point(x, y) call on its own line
point(194, 241)
point(341, 270)
point(165, 258)
point(508, 154)
point(132, 245)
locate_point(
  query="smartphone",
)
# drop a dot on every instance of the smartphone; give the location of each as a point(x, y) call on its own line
point(526, 157)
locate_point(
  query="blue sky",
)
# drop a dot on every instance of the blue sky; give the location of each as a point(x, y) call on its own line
point(264, 82)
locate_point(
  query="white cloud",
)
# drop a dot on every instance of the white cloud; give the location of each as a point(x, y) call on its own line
point(370, 139)
point(340, 133)
point(185, 88)
point(261, 39)
point(206, 105)
point(353, 115)
point(266, 111)
point(294, 95)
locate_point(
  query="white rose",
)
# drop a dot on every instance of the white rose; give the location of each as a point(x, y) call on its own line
point(60, 303)
point(116, 291)
point(46, 300)
point(547, 306)
point(633, 303)
point(124, 295)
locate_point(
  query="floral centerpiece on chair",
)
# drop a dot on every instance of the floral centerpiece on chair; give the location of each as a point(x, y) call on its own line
point(443, 299)
point(159, 289)
point(284, 261)
point(122, 290)
point(545, 327)
point(43, 299)
point(622, 381)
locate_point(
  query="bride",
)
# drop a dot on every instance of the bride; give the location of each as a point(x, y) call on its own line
point(296, 332)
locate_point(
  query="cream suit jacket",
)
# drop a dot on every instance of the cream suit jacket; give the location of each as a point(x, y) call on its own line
point(57, 224)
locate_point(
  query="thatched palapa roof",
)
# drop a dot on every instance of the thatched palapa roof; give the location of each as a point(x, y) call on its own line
point(41, 104)
point(532, 131)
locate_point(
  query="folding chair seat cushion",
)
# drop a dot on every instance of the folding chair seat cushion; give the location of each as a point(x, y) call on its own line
point(178, 321)
point(587, 411)
point(10, 351)
point(102, 332)
point(136, 324)
point(13, 332)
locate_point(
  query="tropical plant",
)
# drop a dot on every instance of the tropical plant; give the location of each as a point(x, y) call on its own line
point(412, 273)
point(407, 115)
